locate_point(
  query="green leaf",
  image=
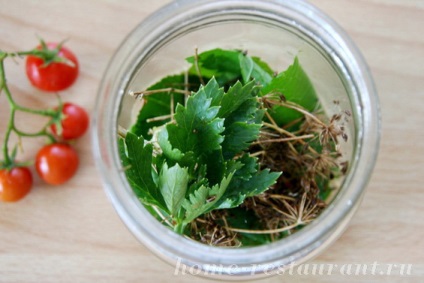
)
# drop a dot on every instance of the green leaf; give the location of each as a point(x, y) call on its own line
point(259, 183)
point(159, 104)
point(197, 127)
point(165, 145)
point(174, 154)
point(213, 91)
point(247, 181)
point(231, 65)
point(199, 179)
point(222, 64)
point(249, 166)
point(264, 67)
point(241, 129)
point(250, 69)
point(243, 119)
point(137, 159)
point(246, 67)
point(235, 97)
point(243, 218)
point(248, 112)
point(204, 199)
point(173, 184)
point(296, 87)
point(238, 137)
point(215, 165)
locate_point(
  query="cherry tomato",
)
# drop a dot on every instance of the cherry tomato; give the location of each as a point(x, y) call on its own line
point(15, 183)
point(54, 76)
point(56, 163)
point(75, 123)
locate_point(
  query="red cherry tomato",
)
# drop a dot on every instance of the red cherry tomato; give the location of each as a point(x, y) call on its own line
point(75, 123)
point(15, 183)
point(54, 76)
point(56, 163)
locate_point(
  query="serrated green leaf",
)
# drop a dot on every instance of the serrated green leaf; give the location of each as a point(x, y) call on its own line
point(204, 199)
point(174, 154)
point(247, 181)
point(234, 165)
point(173, 183)
point(137, 160)
point(238, 137)
point(259, 182)
point(235, 97)
point(165, 145)
point(159, 104)
point(231, 202)
point(249, 166)
point(213, 91)
point(197, 127)
point(248, 112)
point(199, 179)
point(241, 189)
point(296, 86)
point(242, 126)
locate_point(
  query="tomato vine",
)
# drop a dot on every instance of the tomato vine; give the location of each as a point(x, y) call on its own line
point(52, 56)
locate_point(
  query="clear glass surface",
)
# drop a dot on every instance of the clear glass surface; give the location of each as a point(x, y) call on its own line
point(276, 31)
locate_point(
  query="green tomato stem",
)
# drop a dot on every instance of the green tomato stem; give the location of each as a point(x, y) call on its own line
point(3, 86)
point(7, 159)
point(13, 106)
point(40, 133)
point(46, 113)
point(47, 55)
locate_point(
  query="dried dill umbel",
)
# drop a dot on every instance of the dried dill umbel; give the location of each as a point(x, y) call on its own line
point(309, 157)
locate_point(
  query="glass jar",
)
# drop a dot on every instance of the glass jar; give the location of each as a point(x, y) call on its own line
point(276, 31)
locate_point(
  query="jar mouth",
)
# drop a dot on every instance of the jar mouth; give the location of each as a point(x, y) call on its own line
point(296, 248)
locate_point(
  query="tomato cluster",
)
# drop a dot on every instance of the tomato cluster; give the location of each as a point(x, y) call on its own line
point(49, 67)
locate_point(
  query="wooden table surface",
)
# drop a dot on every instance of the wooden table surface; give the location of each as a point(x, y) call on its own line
point(71, 233)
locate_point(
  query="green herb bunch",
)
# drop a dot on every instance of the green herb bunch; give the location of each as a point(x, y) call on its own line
point(199, 154)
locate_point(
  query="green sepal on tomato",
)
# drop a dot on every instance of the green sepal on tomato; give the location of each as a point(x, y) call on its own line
point(73, 122)
point(52, 67)
point(49, 67)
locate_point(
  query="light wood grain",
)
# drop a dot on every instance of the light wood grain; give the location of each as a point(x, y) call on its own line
point(72, 233)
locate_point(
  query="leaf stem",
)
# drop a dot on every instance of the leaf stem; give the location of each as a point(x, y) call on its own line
point(159, 118)
point(299, 109)
point(285, 139)
point(6, 156)
point(140, 94)
point(3, 86)
point(42, 132)
point(196, 64)
point(272, 231)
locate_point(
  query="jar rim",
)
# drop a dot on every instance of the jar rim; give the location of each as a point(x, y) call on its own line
point(302, 244)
